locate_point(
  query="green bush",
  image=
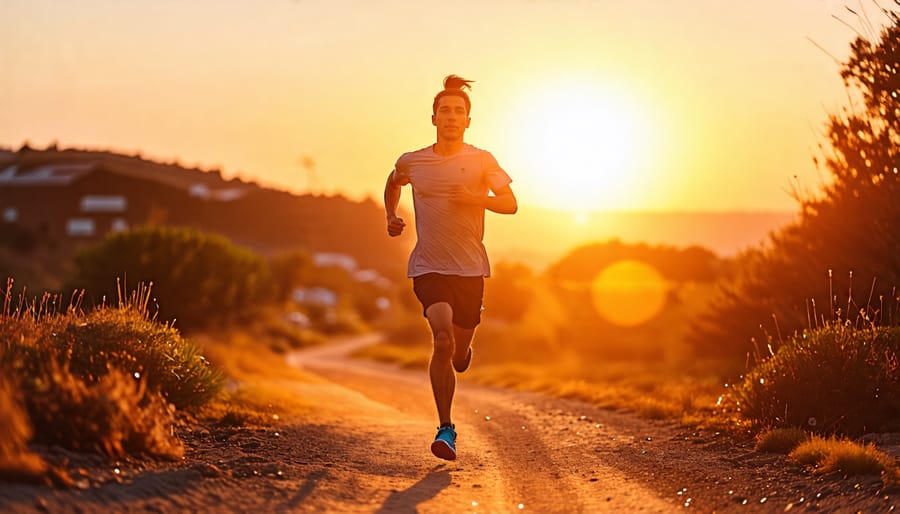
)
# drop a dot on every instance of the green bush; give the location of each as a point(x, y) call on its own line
point(198, 279)
point(834, 380)
point(290, 270)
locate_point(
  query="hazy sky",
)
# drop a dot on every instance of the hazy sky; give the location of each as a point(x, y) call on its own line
point(604, 104)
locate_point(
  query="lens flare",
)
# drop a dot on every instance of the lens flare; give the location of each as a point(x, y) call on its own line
point(628, 292)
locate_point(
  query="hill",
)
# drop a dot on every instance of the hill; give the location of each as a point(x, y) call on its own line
point(56, 201)
point(538, 237)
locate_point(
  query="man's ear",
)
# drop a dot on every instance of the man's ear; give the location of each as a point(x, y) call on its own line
point(432, 121)
point(468, 120)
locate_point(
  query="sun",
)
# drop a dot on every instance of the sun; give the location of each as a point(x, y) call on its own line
point(581, 146)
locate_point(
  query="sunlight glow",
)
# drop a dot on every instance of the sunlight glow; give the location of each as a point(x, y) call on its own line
point(628, 292)
point(581, 146)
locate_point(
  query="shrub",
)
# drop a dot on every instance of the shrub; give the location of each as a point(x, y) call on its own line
point(837, 379)
point(199, 279)
point(509, 291)
point(290, 270)
point(95, 343)
point(108, 380)
point(116, 414)
point(122, 338)
point(852, 227)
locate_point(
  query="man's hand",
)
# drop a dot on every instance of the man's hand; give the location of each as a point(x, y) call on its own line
point(395, 226)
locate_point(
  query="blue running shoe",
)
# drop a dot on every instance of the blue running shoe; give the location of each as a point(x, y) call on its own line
point(444, 445)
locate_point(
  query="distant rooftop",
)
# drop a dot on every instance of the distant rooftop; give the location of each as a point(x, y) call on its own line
point(50, 174)
point(61, 168)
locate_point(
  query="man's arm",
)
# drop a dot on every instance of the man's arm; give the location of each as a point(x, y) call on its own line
point(392, 189)
point(503, 201)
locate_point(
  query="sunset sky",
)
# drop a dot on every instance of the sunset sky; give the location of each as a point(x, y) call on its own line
point(589, 105)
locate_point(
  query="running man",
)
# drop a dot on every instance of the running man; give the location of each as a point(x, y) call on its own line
point(452, 184)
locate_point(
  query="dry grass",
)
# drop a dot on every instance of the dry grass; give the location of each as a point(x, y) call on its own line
point(404, 356)
point(780, 440)
point(116, 415)
point(106, 381)
point(244, 356)
point(628, 386)
point(15, 432)
point(840, 376)
point(845, 457)
point(259, 390)
point(655, 390)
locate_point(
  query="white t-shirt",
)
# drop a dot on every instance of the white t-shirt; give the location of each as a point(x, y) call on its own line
point(449, 234)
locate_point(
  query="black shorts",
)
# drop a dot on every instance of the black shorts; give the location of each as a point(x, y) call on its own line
point(464, 294)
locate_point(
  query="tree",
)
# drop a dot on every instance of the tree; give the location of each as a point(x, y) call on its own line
point(840, 259)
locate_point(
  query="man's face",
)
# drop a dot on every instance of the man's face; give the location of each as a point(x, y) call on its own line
point(451, 118)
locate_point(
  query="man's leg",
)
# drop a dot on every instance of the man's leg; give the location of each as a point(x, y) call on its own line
point(443, 379)
point(462, 338)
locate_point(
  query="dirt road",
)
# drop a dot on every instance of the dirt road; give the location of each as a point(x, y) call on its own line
point(365, 448)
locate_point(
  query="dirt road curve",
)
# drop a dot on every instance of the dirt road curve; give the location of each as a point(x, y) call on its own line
point(522, 452)
point(364, 448)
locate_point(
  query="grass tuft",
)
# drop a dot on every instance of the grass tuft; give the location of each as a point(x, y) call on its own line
point(834, 455)
point(780, 440)
point(16, 461)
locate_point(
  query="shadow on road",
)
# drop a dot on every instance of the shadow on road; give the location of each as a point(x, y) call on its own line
point(428, 487)
point(308, 486)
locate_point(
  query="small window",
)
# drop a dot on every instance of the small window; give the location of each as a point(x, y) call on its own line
point(80, 227)
point(119, 225)
point(10, 215)
point(101, 203)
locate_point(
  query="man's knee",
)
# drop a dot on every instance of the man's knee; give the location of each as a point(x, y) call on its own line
point(443, 344)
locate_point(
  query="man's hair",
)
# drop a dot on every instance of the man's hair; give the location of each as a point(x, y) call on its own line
point(454, 85)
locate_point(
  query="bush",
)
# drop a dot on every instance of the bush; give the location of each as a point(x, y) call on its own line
point(93, 344)
point(509, 291)
point(289, 271)
point(852, 228)
point(122, 338)
point(837, 379)
point(116, 414)
point(198, 279)
point(108, 380)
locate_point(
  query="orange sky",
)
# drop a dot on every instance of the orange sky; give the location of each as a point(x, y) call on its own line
point(589, 105)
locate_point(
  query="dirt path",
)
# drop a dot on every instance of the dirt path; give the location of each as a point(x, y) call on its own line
point(551, 455)
point(365, 449)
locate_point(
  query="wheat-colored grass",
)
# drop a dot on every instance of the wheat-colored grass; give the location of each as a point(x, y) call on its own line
point(846, 457)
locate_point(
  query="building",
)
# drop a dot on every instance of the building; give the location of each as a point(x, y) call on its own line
point(78, 199)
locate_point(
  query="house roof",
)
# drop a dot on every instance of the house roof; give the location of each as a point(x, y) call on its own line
point(61, 168)
point(47, 175)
